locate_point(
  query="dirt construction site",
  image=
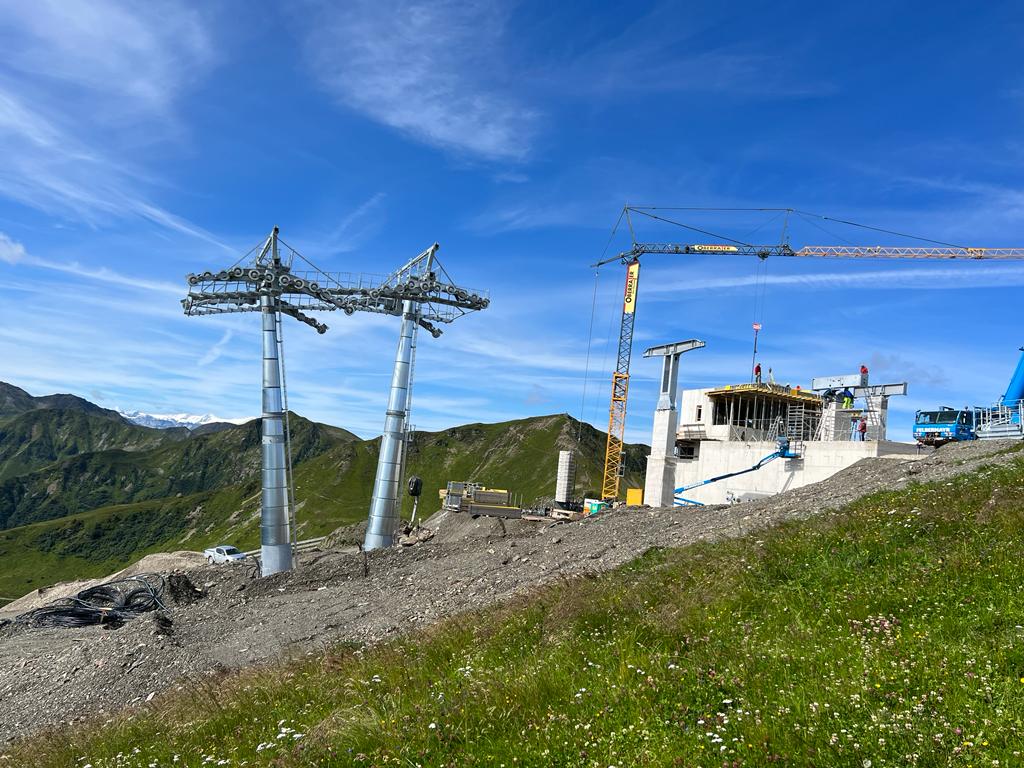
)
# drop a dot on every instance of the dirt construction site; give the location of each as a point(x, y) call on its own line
point(218, 618)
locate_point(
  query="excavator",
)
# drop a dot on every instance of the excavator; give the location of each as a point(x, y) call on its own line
point(782, 451)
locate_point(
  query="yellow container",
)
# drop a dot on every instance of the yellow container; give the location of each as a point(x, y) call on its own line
point(634, 497)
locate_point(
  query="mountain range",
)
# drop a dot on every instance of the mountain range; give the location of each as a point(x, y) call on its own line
point(84, 491)
point(171, 420)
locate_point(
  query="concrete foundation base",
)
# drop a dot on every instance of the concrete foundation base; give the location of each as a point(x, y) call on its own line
point(821, 460)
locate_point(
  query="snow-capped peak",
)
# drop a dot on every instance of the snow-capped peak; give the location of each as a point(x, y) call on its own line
point(169, 420)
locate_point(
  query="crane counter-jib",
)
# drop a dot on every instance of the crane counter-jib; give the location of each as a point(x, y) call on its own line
point(631, 258)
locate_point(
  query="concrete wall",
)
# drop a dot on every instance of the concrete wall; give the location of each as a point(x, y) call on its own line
point(821, 461)
point(692, 428)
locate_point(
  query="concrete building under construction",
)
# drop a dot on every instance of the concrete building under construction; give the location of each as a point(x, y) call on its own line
point(748, 441)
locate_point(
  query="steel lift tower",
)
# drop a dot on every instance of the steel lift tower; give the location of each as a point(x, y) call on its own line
point(431, 300)
point(266, 285)
point(269, 284)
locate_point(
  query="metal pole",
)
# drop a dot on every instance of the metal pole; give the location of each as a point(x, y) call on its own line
point(292, 527)
point(275, 549)
point(753, 359)
point(383, 522)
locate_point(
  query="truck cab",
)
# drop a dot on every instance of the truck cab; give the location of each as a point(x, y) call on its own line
point(946, 425)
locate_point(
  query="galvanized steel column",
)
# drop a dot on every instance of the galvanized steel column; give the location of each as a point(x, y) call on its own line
point(275, 549)
point(384, 512)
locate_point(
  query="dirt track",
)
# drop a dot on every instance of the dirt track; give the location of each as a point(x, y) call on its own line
point(53, 676)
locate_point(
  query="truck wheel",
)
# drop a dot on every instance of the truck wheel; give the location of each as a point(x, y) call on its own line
point(209, 561)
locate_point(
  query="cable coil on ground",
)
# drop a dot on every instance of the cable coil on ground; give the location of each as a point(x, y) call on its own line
point(110, 604)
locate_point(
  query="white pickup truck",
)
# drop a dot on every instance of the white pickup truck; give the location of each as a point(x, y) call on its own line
point(223, 554)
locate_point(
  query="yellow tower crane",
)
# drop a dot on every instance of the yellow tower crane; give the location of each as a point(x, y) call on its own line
point(613, 468)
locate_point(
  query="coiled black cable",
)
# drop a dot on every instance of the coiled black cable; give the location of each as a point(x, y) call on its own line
point(110, 604)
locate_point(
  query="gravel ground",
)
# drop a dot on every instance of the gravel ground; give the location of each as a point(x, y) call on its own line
point(49, 677)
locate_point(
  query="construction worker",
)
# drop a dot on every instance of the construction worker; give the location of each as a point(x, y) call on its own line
point(863, 370)
point(862, 429)
point(847, 398)
point(757, 373)
point(771, 377)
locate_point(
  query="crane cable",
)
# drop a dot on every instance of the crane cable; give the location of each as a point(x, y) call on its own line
point(644, 211)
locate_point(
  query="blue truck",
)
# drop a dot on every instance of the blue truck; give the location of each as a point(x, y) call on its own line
point(946, 425)
point(949, 425)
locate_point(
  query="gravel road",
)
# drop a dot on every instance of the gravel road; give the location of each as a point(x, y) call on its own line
point(49, 677)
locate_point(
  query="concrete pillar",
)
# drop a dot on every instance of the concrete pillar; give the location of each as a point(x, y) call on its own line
point(659, 482)
point(878, 410)
point(566, 477)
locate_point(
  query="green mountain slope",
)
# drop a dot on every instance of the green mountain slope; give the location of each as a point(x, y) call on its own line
point(182, 467)
point(39, 437)
point(197, 492)
point(15, 401)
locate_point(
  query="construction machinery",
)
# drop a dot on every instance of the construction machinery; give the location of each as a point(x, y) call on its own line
point(782, 451)
point(946, 425)
point(1002, 421)
point(613, 468)
point(474, 499)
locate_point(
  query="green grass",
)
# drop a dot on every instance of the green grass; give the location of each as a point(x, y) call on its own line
point(889, 634)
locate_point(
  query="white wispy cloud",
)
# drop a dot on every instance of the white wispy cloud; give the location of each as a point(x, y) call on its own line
point(432, 70)
point(143, 51)
point(77, 76)
point(11, 252)
point(349, 233)
point(217, 349)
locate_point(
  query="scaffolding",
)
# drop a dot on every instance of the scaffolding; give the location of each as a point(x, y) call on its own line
point(765, 412)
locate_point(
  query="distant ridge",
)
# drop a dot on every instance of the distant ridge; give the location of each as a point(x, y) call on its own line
point(15, 401)
point(171, 420)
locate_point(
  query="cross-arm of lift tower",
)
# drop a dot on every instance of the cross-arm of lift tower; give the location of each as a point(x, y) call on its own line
point(935, 249)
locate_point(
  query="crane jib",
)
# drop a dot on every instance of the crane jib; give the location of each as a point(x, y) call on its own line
point(822, 251)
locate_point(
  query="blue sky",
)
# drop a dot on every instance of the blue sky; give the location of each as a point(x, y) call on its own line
point(144, 141)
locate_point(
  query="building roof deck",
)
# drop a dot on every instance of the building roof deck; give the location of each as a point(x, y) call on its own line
point(767, 390)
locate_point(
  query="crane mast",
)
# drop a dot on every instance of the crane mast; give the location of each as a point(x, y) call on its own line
point(620, 386)
point(613, 469)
